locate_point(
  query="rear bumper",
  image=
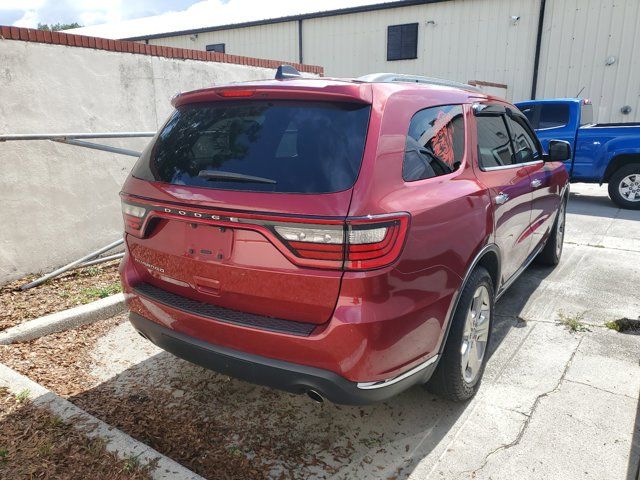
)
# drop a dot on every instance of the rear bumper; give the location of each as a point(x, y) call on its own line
point(278, 374)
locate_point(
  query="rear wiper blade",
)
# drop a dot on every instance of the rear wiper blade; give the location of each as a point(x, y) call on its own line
point(234, 177)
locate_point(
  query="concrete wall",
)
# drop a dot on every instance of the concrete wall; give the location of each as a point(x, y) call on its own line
point(58, 201)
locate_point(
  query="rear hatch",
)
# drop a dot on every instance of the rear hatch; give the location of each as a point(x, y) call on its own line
point(240, 201)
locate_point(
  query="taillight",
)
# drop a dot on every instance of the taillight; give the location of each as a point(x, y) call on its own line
point(375, 242)
point(359, 244)
point(134, 216)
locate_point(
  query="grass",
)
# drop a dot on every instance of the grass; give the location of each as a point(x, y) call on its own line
point(131, 464)
point(94, 293)
point(573, 323)
point(3, 454)
point(23, 395)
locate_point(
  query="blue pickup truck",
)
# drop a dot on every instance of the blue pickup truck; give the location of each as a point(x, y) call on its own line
point(602, 152)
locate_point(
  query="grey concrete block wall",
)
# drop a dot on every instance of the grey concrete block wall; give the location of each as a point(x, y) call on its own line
point(59, 202)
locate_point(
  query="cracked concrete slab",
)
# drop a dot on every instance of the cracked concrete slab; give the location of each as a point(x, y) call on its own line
point(575, 433)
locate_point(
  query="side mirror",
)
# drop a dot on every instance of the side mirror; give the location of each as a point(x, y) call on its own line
point(559, 151)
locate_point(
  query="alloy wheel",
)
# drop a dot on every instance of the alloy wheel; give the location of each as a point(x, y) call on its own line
point(475, 334)
point(629, 187)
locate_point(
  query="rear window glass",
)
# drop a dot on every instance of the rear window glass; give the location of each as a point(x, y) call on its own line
point(553, 115)
point(294, 147)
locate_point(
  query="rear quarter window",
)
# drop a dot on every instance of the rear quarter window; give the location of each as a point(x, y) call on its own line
point(277, 146)
point(435, 143)
point(553, 115)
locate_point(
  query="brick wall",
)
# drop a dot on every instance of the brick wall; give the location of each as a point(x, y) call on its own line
point(82, 41)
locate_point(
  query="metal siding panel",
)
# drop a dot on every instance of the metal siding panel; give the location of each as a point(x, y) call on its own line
point(277, 41)
point(472, 40)
point(578, 37)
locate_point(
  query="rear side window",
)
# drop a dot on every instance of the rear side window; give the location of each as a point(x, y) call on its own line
point(280, 146)
point(435, 143)
point(553, 115)
point(529, 112)
point(494, 147)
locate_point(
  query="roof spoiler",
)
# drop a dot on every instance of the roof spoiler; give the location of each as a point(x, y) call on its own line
point(287, 71)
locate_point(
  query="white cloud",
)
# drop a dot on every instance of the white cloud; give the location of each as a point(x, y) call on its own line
point(207, 13)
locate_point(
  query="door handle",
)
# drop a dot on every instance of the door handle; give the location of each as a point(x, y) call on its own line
point(501, 198)
point(536, 183)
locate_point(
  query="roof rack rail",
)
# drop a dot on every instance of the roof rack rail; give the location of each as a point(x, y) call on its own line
point(287, 71)
point(397, 77)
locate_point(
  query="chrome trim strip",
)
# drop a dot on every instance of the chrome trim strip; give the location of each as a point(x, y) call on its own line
point(512, 165)
point(391, 381)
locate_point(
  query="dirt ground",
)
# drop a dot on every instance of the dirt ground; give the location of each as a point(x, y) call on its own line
point(69, 290)
point(212, 442)
point(36, 444)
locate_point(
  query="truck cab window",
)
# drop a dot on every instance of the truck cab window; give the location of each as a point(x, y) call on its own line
point(553, 115)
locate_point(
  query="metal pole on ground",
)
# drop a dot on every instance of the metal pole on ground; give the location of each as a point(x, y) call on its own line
point(71, 265)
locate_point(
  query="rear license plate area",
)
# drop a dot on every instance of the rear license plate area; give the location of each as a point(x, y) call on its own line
point(208, 243)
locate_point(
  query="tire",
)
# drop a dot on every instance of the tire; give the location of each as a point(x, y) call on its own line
point(626, 180)
point(552, 251)
point(450, 380)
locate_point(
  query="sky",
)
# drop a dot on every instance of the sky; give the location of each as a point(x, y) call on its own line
point(126, 18)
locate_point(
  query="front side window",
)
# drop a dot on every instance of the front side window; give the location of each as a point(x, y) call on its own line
point(524, 145)
point(263, 146)
point(494, 145)
point(435, 143)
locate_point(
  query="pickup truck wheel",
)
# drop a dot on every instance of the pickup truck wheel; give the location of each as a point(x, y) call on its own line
point(552, 251)
point(460, 369)
point(624, 187)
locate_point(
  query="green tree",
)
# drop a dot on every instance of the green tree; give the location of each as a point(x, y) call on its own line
point(55, 27)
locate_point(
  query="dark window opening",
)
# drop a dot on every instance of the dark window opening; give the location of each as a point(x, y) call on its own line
point(494, 145)
point(435, 143)
point(523, 143)
point(553, 115)
point(530, 113)
point(402, 42)
point(216, 47)
point(277, 146)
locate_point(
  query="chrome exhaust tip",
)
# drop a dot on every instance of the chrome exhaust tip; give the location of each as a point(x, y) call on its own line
point(315, 396)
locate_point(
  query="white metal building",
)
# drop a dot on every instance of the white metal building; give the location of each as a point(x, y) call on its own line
point(531, 48)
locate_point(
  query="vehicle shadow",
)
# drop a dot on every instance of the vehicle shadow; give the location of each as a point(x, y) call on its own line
point(591, 205)
point(224, 428)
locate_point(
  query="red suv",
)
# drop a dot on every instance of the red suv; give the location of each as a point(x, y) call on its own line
point(346, 238)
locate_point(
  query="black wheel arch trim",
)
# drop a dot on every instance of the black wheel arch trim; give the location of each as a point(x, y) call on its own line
point(490, 247)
